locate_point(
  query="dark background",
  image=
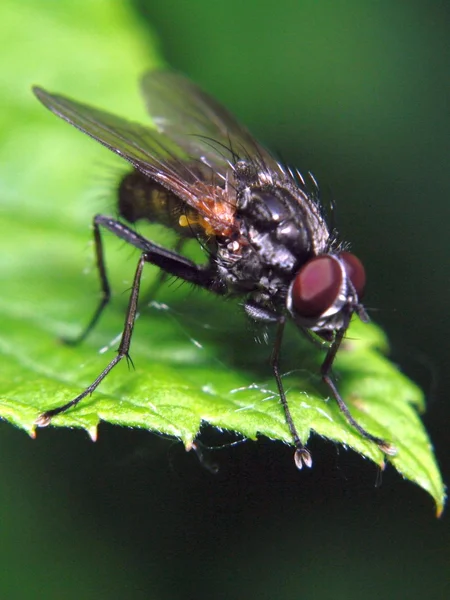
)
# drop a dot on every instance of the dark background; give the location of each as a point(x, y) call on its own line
point(359, 94)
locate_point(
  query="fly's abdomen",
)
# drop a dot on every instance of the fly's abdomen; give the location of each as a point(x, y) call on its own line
point(141, 198)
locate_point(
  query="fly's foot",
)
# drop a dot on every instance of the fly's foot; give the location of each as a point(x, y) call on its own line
point(302, 457)
point(43, 419)
point(387, 448)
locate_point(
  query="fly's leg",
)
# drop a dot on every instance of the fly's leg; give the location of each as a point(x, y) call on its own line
point(162, 277)
point(105, 288)
point(168, 261)
point(302, 456)
point(45, 418)
point(326, 373)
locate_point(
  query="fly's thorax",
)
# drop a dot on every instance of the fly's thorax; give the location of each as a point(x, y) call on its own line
point(280, 227)
point(280, 215)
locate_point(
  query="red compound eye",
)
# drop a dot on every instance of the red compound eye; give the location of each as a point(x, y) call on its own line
point(316, 286)
point(355, 272)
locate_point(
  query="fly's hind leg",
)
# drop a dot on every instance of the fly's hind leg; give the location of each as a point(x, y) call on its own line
point(168, 261)
point(45, 418)
point(161, 279)
point(105, 288)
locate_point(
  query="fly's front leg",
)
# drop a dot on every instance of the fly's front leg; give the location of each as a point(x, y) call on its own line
point(167, 260)
point(302, 455)
point(325, 370)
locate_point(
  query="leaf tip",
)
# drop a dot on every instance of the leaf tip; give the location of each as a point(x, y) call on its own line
point(203, 456)
point(93, 433)
point(440, 503)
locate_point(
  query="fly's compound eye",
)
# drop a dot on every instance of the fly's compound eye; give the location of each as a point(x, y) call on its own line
point(355, 272)
point(317, 286)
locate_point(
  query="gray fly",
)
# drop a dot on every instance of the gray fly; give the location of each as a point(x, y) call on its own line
point(201, 173)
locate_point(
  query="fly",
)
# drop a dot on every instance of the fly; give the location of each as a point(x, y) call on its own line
point(203, 174)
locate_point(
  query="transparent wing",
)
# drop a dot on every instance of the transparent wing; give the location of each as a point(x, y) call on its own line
point(198, 123)
point(148, 150)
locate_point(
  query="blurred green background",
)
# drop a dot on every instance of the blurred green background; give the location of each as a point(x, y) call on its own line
point(359, 94)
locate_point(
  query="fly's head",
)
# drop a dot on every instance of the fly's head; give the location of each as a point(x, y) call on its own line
point(326, 291)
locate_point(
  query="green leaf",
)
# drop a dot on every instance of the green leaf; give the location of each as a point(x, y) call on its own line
point(195, 357)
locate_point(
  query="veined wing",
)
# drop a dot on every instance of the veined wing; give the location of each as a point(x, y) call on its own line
point(200, 124)
point(147, 149)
